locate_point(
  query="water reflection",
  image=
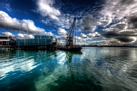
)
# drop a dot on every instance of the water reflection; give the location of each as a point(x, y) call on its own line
point(96, 69)
point(111, 67)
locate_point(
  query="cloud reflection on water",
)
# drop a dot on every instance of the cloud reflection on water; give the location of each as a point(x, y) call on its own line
point(96, 69)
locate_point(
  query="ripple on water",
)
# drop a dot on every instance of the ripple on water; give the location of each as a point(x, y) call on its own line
point(96, 69)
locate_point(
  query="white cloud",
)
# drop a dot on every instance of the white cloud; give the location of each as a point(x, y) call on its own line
point(62, 31)
point(25, 36)
point(83, 35)
point(45, 8)
point(29, 36)
point(14, 24)
point(80, 40)
point(95, 34)
point(49, 33)
point(29, 26)
point(61, 40)
point(7, 34)
point(20, 36)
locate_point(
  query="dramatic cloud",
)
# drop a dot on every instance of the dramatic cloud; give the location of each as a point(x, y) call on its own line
point(122, 15)
point(8, 34)
point(119, 26)
point(49, 34)
point(45, 8)
point(29, 36)
point(110, 42)
point(62, 31)
point(121, 32)
point(127, 39)
point(28, 26)
point(80, 40)
point(83, 35)
point(25, 36)
point(132, 20)
point(10, 23)
point(65, 21)
point(123, 36)
point(110, 34)
point(20, 36)
point(115, 10)
point(105, 20)
point(95, 34)
point(88, 23)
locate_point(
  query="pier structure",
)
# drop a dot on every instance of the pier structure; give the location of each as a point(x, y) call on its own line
point(5, 42)
point(39, 42)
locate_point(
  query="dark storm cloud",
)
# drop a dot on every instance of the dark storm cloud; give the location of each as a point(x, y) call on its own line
point(128, 33)
point(120, 26)
point(88, 23)
point(125, 36)
point(127, 2)
point(110, 34)
point(132, 20)
point(125, 39)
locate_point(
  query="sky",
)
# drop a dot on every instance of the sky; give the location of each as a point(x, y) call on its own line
point(106, 22)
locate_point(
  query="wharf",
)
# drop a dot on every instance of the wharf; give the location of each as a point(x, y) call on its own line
point(76, 48)
point(70, 48)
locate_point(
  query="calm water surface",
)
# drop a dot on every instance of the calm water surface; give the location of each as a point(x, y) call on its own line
point(94, 69)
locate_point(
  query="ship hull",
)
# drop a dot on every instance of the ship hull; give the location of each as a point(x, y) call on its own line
point(72, 49)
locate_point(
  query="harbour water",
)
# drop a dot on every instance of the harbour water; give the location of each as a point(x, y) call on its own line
point(94, 69)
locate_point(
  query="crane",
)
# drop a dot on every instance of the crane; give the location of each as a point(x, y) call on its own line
point(69, 42)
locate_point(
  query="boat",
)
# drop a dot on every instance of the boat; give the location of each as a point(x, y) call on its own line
point(71, 48)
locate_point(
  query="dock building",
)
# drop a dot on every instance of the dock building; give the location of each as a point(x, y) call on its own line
point(39, 40)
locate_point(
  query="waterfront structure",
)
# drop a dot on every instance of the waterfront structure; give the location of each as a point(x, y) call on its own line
point(70, 42)
point(4, 40)
point(39, 40)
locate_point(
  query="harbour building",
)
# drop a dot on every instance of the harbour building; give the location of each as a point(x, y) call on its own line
point(4, 40)
point(39, 40)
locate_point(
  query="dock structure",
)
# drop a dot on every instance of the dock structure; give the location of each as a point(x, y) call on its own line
point(5, 42)
point(39, 42)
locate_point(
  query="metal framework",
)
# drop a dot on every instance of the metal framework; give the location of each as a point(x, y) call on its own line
point(69, 42)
